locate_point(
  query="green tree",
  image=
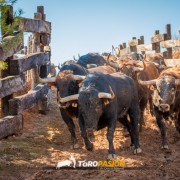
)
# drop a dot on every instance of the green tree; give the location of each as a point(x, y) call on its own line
point(6, 28)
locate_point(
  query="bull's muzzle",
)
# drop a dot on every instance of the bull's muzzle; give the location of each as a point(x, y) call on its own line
point(90, 135)
point(164, 107)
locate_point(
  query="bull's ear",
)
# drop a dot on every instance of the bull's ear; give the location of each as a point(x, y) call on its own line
point(74, 104)
point(178, 88)
point(106, 102)
point(79, 83)
point(152, 87)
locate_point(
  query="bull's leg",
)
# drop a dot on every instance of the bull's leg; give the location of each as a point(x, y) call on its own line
point(143, 104)
point(110, 137)
point(134, 116)
point(88, 144)
point(161, 125)
point(126, 123)
point(151, 106)
point(71, 126)
point(177, 123)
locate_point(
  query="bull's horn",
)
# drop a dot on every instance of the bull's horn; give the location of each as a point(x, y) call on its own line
point(69, 98)
point(177, 81)
point(109, 55)
point(59, 66)
point(107, 60)
point(78, 77)
point(107, 95)
point(156, 64)
point(104, 95)
point(113, 64)
point(137, 69)
point(146, 83)
point(47, 80)
point(74, 58)
point(91, 66)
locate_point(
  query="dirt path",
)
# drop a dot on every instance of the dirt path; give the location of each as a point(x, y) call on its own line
point(45, 140)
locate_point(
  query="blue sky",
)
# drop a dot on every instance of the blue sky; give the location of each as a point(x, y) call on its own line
point(83, 26)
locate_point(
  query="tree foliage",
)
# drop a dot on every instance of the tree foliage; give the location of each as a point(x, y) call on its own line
point(6, 27)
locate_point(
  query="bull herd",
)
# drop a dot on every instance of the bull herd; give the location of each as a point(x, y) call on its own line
point(99, 90)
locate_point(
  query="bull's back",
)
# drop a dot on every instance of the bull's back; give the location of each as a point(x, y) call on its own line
point(103, 69)
point(91, 58)
point(151, 71)
point(126, 93)
point(75, 68)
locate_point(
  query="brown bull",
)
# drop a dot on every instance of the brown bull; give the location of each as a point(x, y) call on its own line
point(158, 60)
point(146, 71)
point(166, 99)
point(103, 69)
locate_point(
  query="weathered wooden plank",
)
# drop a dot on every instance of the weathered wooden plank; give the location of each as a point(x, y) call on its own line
point(125, 51)
point(117, 51)
point(144, 47)
point(10, 125)
point(157, 38)
point(172, 62)
point(21, 103)
point(12, 84)
point(47, 48)
point(28, 62)
point(133, 42)
point(35, 26)
point(11, 45)
point(170, 43)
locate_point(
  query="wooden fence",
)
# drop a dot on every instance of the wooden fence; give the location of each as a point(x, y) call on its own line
point(158, 41)
point(19, 87)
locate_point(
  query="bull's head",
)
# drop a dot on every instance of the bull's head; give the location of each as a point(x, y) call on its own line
point(164, 91)
point(127, 68)
point(67, 86)
point(91, 104)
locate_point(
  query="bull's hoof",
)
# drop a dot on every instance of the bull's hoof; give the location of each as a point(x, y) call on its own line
point(137, 151)
point(75, 146)
point(92, 139)
point(164, 146)
point(125, 132)
point(132, 147)
point(152, 113)
point(89, 147)
point(112, 156)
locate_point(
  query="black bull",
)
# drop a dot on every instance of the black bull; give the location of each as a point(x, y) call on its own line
point(102, 100)
point(67, 83)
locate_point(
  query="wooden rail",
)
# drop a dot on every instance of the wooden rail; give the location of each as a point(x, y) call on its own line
point(12, 84)
point(21, 71)
point(158, 41)
point(30, 61)
point(24, 102)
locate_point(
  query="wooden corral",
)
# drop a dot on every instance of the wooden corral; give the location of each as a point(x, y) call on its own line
point(19, 87)
point(158, 42)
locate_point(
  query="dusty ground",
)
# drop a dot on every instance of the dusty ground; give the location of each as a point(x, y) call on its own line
point(34, 152)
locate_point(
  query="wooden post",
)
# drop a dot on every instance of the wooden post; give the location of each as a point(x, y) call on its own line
point(121, 47)
point(124, 45)
point(168, 31)
point(38, 43)
point(156, 46)
point(142, 42)
point(133, 48)
point(7, 15)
